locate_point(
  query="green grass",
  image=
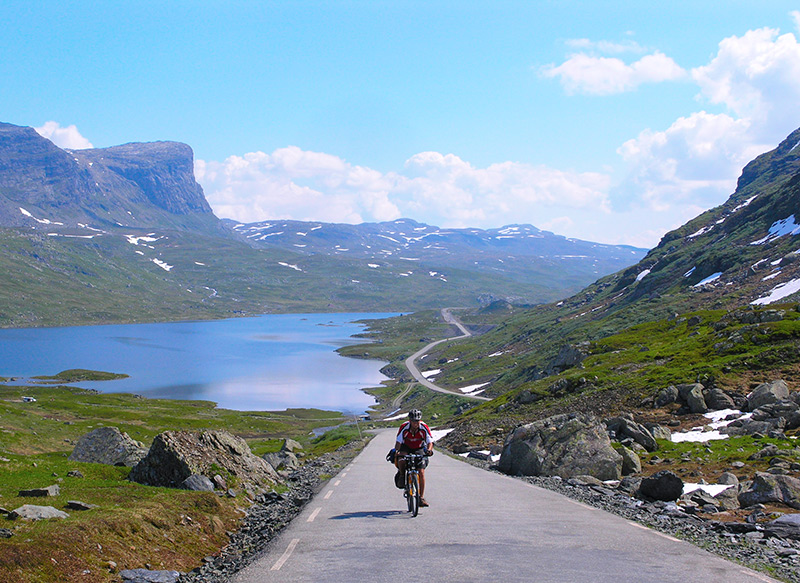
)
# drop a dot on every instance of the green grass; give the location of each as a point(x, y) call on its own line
point(132, 525)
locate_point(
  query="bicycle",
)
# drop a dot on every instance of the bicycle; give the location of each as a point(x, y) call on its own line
point(414, 463)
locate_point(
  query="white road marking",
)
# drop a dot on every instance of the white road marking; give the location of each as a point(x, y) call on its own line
point(344, 474)
point(328, 495)
point(661, 534)
point(337, 482)
point(314, 515)
point(285, 556)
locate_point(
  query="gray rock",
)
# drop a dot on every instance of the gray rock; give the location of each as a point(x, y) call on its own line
point(31, 512)
point(686, 388)
point(766, 488)
point(176, 455)
point(108, 445)
point(624, 426)
point(765, 394)
point(695, 399)
point(728, 479)
point(145, 576)
point(291, 445)
point(282, 460)
point(717, 399)
point(663, 485)
point(78, 505)
point(6, 533)
point(659, 431)
point(564, 445)
point(631, 464)
point(728, 499)
point(49, 491)
point(666, 396)
point(197, 483)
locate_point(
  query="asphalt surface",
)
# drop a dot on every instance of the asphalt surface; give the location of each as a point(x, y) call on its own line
point(481, 526)
point(415, 372)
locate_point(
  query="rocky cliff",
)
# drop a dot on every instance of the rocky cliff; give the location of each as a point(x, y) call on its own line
point(133, 185)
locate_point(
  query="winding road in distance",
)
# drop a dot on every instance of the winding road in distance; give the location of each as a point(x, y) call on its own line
point(415, 372)
point(481, 527)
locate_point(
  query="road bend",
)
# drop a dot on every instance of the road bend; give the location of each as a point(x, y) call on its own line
point(480, 527)
point(415, 372)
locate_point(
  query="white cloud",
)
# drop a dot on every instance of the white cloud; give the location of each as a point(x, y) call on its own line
point(585, 44)
point(68, 137)
point(584, 73)
point(441, 189)
point(757, 77)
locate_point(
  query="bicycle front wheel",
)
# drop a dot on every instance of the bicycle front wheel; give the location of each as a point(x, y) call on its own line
point(410, 492)
point(416, 497)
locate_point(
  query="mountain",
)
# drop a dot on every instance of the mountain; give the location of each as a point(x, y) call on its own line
point(126, 234)
point(137, 185)
point(715, 302)
point(520, 253)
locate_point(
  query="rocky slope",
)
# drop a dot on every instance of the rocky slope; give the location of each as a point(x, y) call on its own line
point(134, 185)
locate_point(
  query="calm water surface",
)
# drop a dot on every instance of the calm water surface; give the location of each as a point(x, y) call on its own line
point(249, 364)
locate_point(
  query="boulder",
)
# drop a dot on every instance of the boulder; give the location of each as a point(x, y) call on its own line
point(766, 488)
point(564, 445)
point(717, 400)
point(78, 505)
point(282, 460)
point(666, 396)
point(49, 491)
point(728, 479)
point(728, 499)
point(146, 576)
point(108, 445)
point(624, 426)
point(695, 399)
point(631, 464)
point(659, 431)
point(766, 393)
point(198, 483)
point(663, 485)
point(31, 512)
point(176, 455)
point(291, 445)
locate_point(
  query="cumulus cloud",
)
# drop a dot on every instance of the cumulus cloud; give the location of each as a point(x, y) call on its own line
point(585, 73)
point(68, 137)
point(756, 78)
point(438, 188)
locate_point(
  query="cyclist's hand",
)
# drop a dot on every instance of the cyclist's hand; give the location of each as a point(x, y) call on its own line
point(428, 452)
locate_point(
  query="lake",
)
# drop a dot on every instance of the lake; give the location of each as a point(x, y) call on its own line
point(270, 362)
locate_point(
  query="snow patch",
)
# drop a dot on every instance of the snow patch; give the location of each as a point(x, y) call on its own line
point(162, 264)
point(289, 266)
point(779, 292)
point(431, 373)
point(437, 434)
point(778, 229)
point(642, 275)
point(690, 272)
point(711, 278)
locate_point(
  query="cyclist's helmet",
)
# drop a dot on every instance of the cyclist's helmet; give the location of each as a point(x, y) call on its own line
point(415, 415)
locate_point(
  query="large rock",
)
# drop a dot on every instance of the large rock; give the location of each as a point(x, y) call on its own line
point(176, 455)
point(31, 512)
point(717, 399)
point(631, 464)
point(663, 485)
point(666, 396)
point(766, 393)
point(768, 488)
point(108, 445)
point(693, 395)
point(565, 445)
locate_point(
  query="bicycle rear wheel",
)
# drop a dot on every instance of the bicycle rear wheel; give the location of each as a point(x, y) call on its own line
point(416, 497)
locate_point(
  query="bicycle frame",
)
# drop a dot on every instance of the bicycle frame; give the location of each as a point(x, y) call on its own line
point(414, 463)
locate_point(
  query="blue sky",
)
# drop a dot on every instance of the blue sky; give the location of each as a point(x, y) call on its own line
point(607, 121)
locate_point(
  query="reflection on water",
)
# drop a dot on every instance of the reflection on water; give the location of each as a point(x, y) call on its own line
point(263, 363)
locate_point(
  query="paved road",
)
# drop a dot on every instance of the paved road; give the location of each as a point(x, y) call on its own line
point(415, 372)
point(480, 527)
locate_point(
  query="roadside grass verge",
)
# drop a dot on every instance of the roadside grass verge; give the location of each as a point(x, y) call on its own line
point(131, 526)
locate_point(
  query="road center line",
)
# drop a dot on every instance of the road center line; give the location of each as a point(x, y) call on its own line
point(328, 495)
point(337, 482)
point(314, 515)
point(285, 556)
point(344, 474)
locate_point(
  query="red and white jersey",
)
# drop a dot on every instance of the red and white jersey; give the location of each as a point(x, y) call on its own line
point(414, 440)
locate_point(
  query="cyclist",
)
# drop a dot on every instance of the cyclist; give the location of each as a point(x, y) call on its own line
point(414, 436)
